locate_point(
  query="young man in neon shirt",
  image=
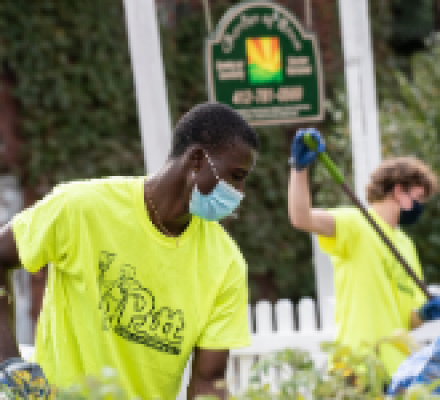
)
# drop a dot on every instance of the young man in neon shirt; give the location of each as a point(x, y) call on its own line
point(374, 295)
point(141, 273)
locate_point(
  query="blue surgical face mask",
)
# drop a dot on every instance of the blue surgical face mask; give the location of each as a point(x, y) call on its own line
point(219, 203)
point(408, 217)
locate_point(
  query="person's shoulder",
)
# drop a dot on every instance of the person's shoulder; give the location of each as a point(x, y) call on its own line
point(87, 193)
point(346, 212)
point(349, 220)
point(83, 187)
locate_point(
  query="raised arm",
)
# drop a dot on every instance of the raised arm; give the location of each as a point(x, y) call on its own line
point(208, 373)
point(8, 259)
point(301, 213)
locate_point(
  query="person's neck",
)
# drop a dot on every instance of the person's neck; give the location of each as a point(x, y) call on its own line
point(388, 210)
point(167, 192)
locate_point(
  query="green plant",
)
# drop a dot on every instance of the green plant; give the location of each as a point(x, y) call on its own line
point(359, 376)
point(351, 376)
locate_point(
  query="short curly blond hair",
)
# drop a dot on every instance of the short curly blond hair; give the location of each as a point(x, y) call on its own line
point(406, 171)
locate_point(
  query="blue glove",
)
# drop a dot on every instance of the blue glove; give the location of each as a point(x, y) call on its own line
point(24, 378)
point(300, 155)
point(430, 310)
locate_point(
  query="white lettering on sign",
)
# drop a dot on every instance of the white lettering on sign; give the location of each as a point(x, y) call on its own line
point(284, 94)
point(269, 19)
point(298, 66)
point(246, 21)
point(290, 93)
point(297, 61)
point(283, 26)
point(285, 112)
point(242, 97)
point(300, 71)
point(230, 70)
point(264, 95)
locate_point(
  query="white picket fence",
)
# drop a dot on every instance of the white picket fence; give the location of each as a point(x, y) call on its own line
point(280, 326)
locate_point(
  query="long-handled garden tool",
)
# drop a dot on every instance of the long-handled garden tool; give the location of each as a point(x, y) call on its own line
point(339, 178)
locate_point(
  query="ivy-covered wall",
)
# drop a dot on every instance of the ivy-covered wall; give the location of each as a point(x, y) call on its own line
point(74, 85)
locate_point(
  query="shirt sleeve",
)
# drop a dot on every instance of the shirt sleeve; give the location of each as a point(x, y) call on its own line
point(41, 231)
point(228, 325)
point(345, 233)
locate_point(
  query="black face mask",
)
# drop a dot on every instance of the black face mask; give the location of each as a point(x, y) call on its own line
point(408, 217)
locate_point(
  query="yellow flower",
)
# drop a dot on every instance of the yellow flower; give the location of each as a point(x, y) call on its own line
point(338, 366)
point(347, 372)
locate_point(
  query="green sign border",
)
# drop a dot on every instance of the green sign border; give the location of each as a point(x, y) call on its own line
point(216, 36)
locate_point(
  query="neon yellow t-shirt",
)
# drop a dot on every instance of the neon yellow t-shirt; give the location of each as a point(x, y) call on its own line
point(374, 294)
point(123, 295)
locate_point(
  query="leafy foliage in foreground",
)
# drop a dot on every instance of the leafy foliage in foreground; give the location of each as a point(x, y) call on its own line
point(358, 376)
point(352, 376)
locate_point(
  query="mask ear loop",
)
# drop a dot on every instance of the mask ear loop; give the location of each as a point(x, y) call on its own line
point(212, 166)
point(234, 214)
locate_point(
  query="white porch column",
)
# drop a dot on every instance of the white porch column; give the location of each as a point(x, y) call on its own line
point(149, 77)
point(361, 88)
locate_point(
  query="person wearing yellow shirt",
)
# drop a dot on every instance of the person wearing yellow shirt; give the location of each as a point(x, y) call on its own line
point(141, 273)
point(374, 295)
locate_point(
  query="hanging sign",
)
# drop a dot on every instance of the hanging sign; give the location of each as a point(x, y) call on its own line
point(261, 62)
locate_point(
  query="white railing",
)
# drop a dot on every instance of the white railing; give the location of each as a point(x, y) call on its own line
point(280, 326)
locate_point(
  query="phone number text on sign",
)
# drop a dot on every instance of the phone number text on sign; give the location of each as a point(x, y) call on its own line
point(284, 94)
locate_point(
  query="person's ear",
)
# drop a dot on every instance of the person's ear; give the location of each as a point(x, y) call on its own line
point(398, 190)
point(401, 195)
point(397, 193)
point(196, 158)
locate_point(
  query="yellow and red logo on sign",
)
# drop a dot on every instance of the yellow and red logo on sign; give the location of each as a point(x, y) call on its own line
point(264, 60)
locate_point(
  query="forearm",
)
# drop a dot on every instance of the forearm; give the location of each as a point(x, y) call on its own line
point(199, 387)
point(8, 344)
point(299, 200)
